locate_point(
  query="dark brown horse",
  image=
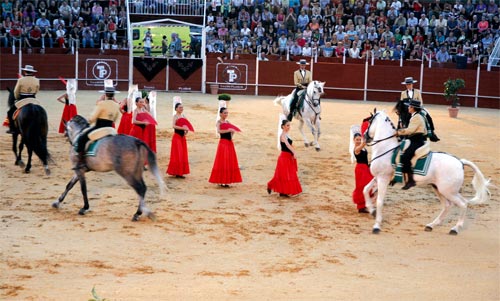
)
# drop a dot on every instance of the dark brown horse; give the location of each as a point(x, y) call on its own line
point(122, 153)
point(31, 123)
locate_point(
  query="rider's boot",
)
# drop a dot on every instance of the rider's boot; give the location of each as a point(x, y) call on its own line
point(410, 182)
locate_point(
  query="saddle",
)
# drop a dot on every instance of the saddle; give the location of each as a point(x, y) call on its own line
point(95, 136)
point(21, 103)
point(420, 161)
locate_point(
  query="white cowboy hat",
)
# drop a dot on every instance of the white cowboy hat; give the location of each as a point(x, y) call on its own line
point(29, 68)
point(409, 80)
point(302, 62)
point(109, 90)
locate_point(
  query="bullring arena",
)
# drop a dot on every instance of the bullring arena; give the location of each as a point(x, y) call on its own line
point(212, 243)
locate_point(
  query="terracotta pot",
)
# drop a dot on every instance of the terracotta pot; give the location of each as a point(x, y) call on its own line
point(214, 89)
point(453, 112)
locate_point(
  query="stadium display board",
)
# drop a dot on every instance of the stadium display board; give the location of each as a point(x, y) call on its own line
point(157, 32)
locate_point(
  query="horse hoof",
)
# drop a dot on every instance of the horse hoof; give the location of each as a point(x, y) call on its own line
point(47, 171)
point(428, 228)
point(55, 205)
point(20, 164)
point(27, 171)
point(306, 144)
point(318, 149)
point(374, 213)
point(453, 232)
point(376, 231)
point(135, 218)
point(82, 211)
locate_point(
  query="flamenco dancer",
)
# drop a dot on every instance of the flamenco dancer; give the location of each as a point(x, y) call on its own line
point(285, 180)
point(361, 173)
point(226, 169)
point(178, 165)
point(69, 101)
point(126, 120)
point(140, 120)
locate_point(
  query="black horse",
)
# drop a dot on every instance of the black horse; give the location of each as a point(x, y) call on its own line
point(401, 109)
point(31, 123)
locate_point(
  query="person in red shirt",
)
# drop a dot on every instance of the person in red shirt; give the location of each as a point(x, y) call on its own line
point(35, 37)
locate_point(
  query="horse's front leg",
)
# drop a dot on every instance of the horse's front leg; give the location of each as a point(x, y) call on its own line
point(70, 185)
point(301, 129)
point(317, 126)
point(382, 183)
point(368, 197)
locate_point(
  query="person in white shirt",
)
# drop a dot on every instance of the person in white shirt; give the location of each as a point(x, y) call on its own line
point(412, 23)
point(424, 23)
point(354, 51)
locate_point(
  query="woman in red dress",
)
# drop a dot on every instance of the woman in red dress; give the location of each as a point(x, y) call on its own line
point(361, 172)
point(150, 130)
point(126, 120)
point(139, 120)
point(226, 169)
point(285, 180)
point(179, 163)
point(69, 111)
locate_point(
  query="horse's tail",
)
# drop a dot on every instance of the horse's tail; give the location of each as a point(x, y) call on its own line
point(11, 99)
point(278, 101)
point(153, 166)
point(479, 183)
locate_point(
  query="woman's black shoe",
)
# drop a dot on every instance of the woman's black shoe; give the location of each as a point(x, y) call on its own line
point(269, 190)
point(180, 177)
point(363, 210)
point(284, 195)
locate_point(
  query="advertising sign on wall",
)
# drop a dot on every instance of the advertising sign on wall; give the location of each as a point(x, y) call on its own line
point(232, 76)
point(98, 70)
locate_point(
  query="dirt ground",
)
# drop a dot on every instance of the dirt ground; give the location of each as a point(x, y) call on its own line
point(211, 243)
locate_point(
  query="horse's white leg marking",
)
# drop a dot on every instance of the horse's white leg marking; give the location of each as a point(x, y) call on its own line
point(318, 132)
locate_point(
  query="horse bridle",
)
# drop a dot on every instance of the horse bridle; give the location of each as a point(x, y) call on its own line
point(367, 133)
point(311, 101)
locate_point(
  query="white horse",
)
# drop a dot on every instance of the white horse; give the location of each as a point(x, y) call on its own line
point(310, 111)
point(445, 174)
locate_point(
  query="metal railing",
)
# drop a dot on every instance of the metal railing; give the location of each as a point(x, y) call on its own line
point(494, 58)
point(167, 7)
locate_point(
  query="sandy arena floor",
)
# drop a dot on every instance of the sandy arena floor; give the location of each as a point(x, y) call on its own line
point(211, 243)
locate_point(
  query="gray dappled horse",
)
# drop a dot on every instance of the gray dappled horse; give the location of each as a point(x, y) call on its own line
point(124, 154)
point(31, 123)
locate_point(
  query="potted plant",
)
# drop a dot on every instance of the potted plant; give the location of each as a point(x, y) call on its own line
point(451, 87)
point(225, 97)
point(214, 89)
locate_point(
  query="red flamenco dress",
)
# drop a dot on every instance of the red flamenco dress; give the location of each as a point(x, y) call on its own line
point(179, 163)
point(69, 112)
point(226, 169)
point(145, 132)
point(363, 177)
point(285, 180)
point(125, 122)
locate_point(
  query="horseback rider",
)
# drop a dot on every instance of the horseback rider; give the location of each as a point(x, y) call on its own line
point(415, 94)
point(26, 87)
point(301, 79)
point(417, 134)
point(105, 113)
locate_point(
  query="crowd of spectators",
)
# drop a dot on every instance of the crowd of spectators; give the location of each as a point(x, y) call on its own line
point(58, 23)
point(390, 30)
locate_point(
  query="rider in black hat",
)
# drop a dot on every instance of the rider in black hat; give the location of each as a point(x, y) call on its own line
point(416, 133)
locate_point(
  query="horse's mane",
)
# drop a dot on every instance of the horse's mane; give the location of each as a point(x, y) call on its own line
point(80, 120)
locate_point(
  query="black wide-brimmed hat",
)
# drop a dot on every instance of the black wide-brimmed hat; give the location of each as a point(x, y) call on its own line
point(409, 80)
point(414, 103)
